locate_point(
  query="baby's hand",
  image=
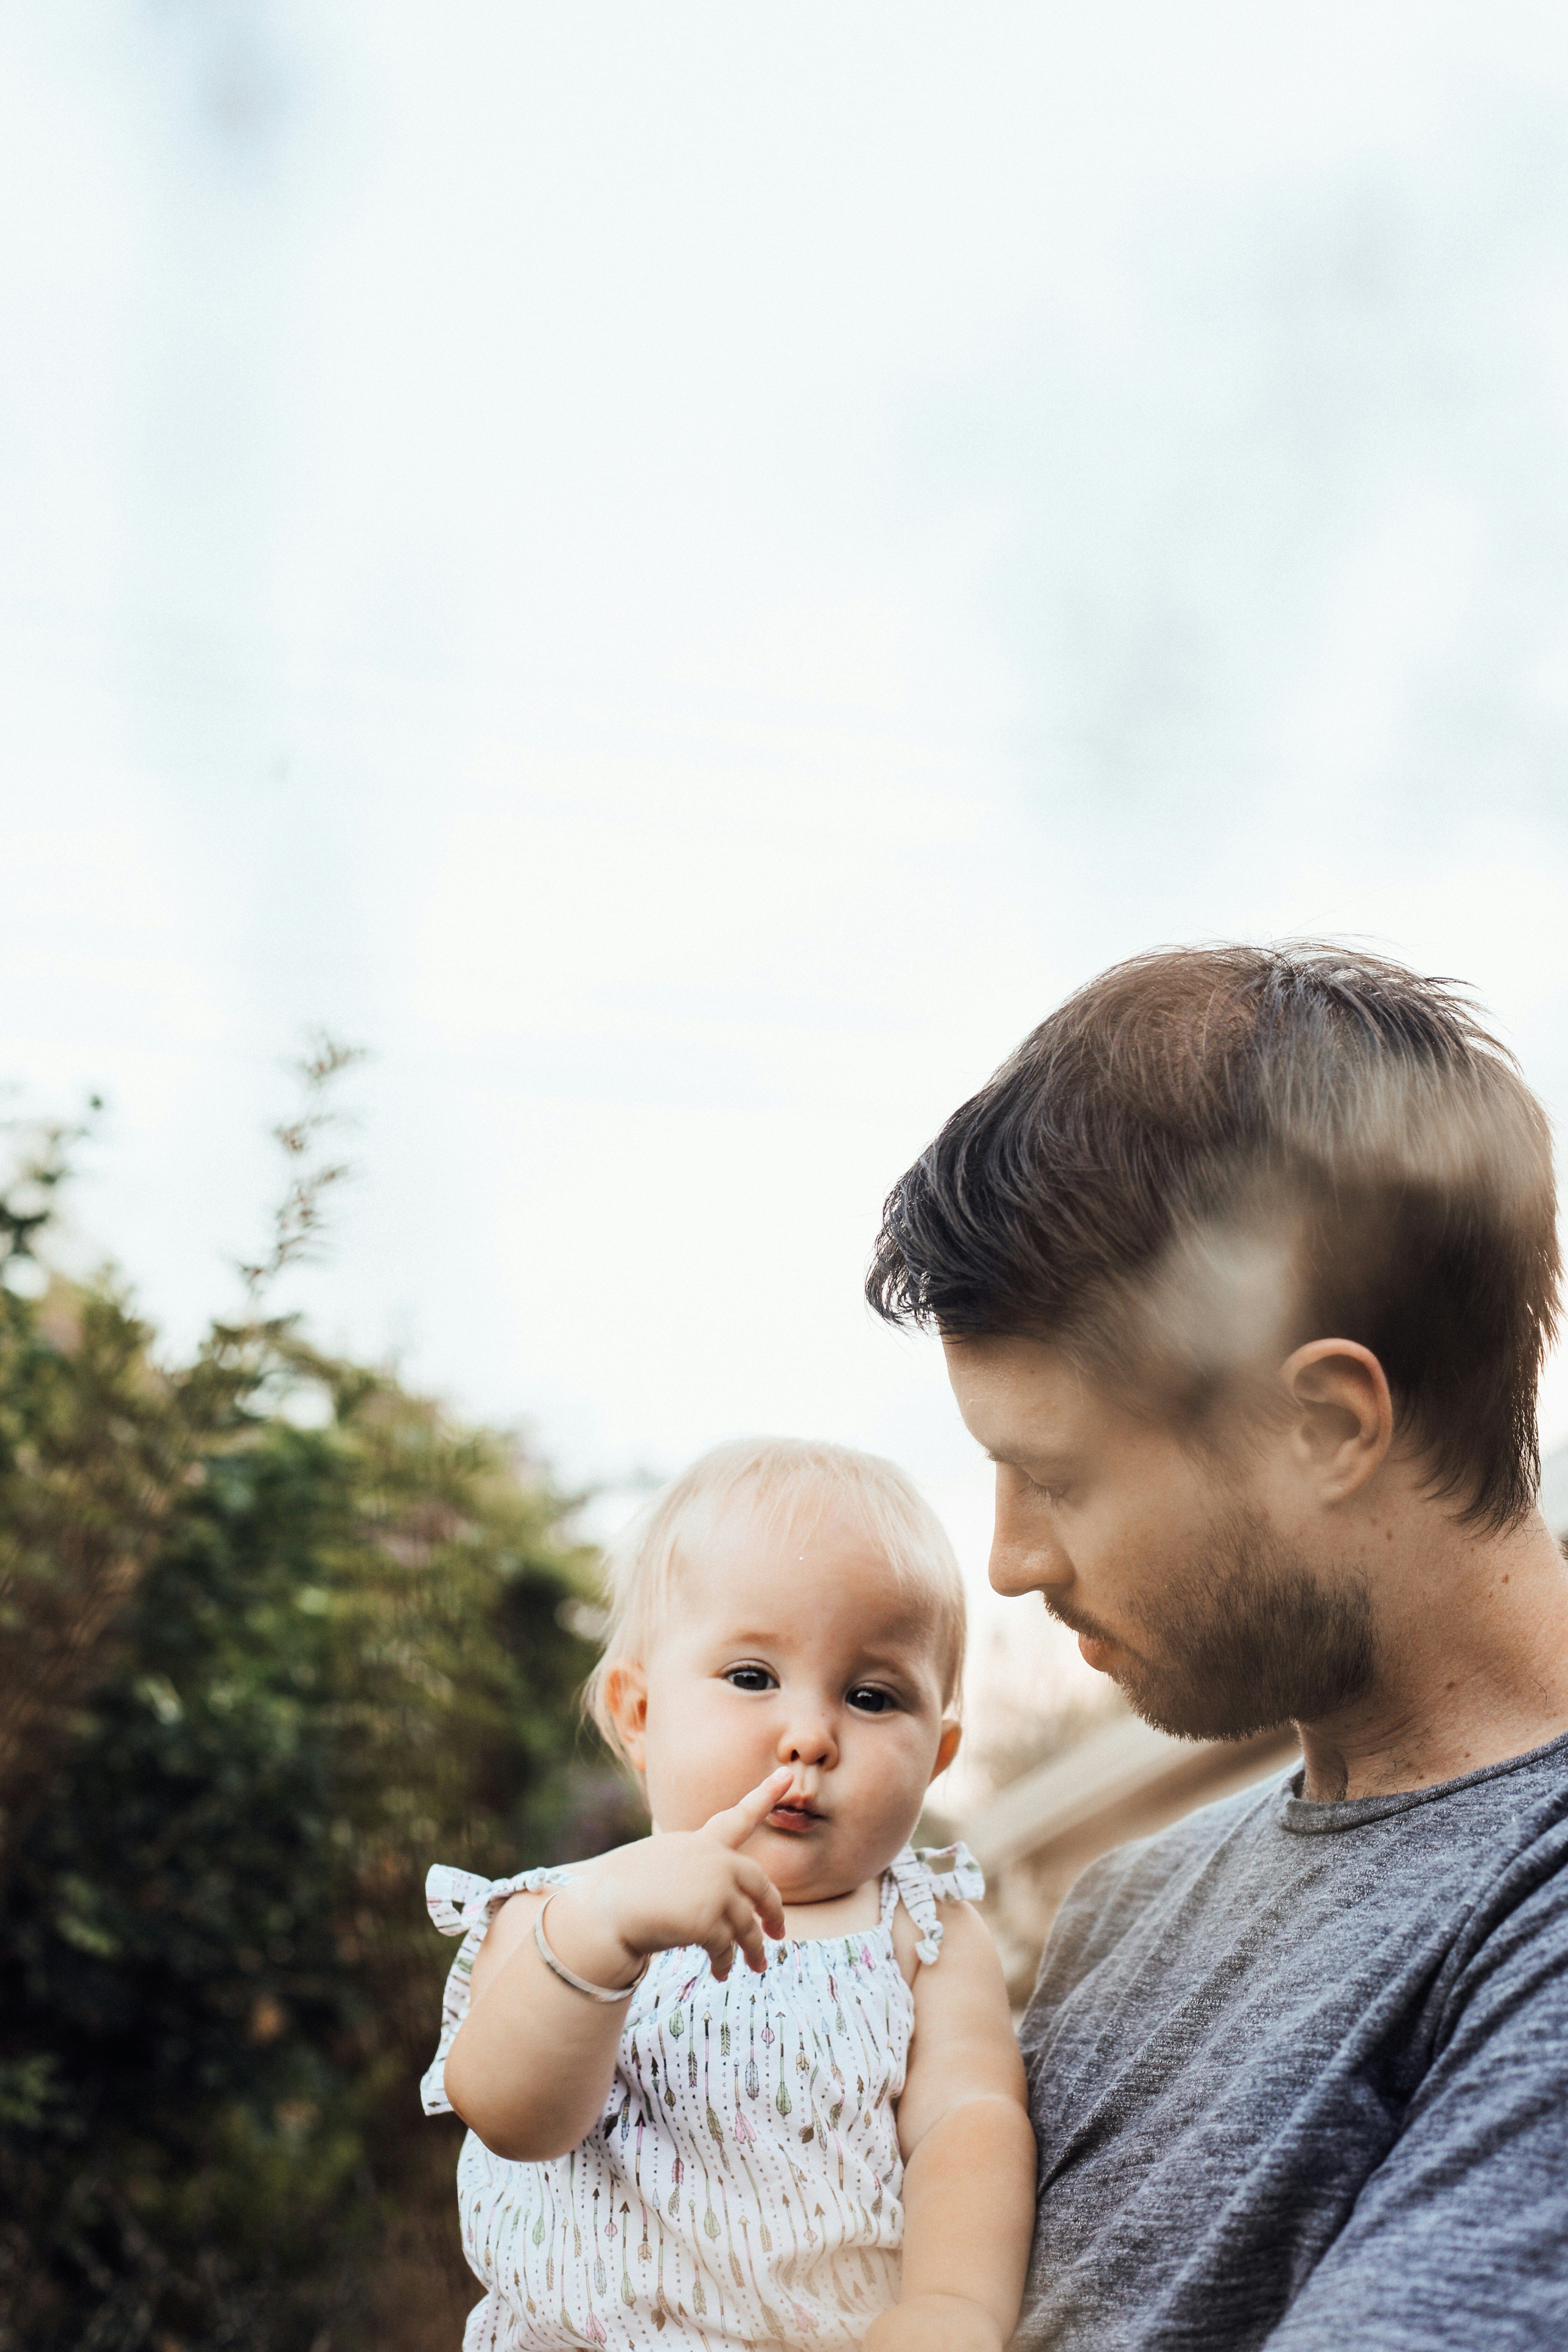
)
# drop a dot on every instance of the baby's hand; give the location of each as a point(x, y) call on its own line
point(693, 1886)
point(934, 2322)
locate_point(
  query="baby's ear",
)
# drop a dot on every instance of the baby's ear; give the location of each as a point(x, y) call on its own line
point(947, 1747)
point(626, 1701)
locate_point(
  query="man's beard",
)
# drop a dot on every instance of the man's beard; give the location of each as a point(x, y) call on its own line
point(1243, 1637)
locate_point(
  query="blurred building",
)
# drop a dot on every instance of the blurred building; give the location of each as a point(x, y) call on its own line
point(1125, 1781)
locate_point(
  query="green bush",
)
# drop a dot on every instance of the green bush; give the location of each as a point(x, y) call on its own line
point(264, 1673)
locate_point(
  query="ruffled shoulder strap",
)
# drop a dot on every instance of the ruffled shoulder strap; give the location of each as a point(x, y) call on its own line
point(457, 1901)
point(462, 1903)
point(948, 1874)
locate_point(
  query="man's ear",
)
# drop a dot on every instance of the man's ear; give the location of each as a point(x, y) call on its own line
point(1343, 1415)
point(626, 1697)
point(947, 1747)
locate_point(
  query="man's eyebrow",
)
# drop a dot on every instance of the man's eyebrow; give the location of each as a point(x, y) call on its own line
point(1045, 1456)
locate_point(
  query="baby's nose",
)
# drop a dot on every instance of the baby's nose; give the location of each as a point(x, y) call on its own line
point(808, 1738)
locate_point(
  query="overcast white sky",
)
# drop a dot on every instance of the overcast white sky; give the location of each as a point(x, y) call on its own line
point(682, 572)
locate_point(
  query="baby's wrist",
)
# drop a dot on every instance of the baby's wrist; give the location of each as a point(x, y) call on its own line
point(587, 1938)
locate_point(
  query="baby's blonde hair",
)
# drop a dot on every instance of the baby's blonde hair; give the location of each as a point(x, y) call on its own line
point(782, 1477)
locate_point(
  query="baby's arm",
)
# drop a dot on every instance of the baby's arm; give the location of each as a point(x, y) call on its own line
point(532, 2064)
point(969, 2158)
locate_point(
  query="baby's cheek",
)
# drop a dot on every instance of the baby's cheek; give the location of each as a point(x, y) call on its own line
point(680, 1784)
point(896, 1788)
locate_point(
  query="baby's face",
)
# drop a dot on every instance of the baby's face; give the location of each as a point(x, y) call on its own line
point(795, 1646)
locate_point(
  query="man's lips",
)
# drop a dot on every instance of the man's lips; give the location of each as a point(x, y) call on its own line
point(1096, 1652)
point(1097, 1649)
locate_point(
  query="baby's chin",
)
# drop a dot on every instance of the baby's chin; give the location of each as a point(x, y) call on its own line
point(805, 1867)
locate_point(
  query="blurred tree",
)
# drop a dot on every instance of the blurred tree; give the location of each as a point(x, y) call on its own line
point(286, 1633)
point(90, 1452)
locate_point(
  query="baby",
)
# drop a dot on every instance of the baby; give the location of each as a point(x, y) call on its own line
point(829, 2144)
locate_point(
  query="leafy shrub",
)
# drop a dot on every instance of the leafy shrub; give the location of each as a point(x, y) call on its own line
point(265, 1673)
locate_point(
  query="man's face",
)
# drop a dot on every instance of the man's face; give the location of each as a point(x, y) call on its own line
point(1169, 1561)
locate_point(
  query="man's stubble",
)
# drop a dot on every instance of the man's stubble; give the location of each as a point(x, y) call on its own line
point(1242, 1636)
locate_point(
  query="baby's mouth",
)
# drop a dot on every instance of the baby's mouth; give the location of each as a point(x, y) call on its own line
point(793, 1816)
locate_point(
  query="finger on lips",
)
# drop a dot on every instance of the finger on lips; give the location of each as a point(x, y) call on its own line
point(736, 1822)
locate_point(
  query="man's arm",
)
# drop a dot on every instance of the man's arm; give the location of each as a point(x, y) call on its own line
point(969, 2158)
point(1458, 2241)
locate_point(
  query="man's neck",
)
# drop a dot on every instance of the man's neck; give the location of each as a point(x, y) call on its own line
point(1472, 1652)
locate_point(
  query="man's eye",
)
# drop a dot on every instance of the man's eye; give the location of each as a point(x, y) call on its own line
point(751, 1678)
point(867, 1699)
point(1029, 1488)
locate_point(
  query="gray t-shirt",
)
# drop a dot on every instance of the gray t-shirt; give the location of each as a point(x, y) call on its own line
point(1300, 2076)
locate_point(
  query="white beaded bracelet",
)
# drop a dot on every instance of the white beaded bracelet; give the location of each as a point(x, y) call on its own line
point(570, 1977)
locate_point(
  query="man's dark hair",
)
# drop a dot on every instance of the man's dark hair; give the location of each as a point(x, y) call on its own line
point(1208, 1152)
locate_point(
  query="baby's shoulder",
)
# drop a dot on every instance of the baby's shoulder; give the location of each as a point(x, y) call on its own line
point(965, 1943)
point(589, 1863)
point(930, 1888)
point(512, 1906)
point(458, 1900)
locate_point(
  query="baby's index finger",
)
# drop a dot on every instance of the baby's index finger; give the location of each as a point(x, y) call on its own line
point(734, 1825)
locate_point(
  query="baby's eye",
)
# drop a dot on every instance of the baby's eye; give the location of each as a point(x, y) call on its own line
point(751, 1678)
point(867, 1699)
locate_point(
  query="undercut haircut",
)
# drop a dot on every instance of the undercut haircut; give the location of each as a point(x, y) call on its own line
point(1210, 1156)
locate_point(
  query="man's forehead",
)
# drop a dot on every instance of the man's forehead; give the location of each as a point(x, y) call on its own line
point(1007, 1384)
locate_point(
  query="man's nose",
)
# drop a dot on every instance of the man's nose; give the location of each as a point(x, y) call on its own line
point(1026, 1558)
point(808, 1738)
point(1033, 1567)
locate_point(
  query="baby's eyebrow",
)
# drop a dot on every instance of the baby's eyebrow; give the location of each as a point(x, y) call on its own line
point(904, 1651)
point(894, 1653)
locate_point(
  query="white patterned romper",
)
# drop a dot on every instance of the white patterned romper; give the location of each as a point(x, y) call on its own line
point(743, 2183)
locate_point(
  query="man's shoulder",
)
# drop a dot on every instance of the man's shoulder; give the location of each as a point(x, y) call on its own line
point(1117, 1890)
point(1479, 1862)
point(1144, 1863)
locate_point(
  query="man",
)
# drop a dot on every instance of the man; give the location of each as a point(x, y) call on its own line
point(1246, 1263)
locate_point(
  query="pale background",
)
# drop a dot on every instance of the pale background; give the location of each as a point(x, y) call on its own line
point(681, 572)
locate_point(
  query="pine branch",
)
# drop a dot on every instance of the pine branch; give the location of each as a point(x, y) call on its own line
point(300, 1219)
